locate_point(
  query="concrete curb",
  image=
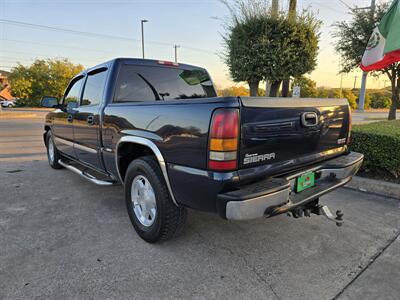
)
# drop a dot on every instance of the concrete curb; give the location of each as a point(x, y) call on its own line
point(378, 187)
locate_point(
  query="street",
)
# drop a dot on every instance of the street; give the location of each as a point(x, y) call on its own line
point(63, 237)
point(370, 116)
point(22, 139)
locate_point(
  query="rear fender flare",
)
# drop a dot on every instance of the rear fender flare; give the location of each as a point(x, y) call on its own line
point(157, 153)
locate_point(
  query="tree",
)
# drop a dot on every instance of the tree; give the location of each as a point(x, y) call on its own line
point(308, 87)
point(260, 46)
point(352, 39)
point(323, 93)
point(43, 78)
point(380, 100)
point(233, 91)
point(348, 94)
point(291, 16)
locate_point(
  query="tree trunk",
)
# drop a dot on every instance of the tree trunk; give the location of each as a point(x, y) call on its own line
point(275, 8)
point(395, 80)
point(292, 9)
point(275, 88)
point(285, 88)
point(253, 85)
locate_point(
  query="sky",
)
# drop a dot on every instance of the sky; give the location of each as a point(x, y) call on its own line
point(194, 25)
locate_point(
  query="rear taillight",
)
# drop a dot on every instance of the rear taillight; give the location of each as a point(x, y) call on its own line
point(223, 143)
point(350, 126)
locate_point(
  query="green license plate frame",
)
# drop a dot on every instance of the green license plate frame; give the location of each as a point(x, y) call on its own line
point(305, 181)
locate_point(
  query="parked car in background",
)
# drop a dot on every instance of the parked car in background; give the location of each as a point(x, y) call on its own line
point(159, 129)
point(7, 103)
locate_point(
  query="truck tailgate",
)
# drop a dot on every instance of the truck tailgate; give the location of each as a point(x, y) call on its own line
point(291, 132)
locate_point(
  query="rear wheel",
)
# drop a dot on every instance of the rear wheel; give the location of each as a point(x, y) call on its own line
point(10, 105)
point(52, 153)
point(151, 210)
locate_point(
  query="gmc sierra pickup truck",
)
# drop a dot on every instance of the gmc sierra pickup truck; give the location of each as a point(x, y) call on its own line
point(159, 129)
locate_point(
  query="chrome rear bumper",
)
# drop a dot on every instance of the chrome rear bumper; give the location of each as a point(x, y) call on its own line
point(253, 201)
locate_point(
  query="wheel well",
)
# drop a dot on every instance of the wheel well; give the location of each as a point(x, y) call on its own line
point(127, 152)
point(46, 129)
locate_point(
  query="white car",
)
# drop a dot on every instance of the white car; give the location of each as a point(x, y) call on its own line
point(7, 103)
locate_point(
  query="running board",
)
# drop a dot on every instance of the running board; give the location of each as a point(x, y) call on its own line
point(87, 176)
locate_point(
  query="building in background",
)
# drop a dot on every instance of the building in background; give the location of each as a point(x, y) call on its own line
point(5, 90)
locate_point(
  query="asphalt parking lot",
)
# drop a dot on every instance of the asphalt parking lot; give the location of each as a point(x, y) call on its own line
point(63, 237)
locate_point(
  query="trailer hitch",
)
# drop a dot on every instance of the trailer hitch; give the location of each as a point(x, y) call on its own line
point(320, 210)
point(325, 211)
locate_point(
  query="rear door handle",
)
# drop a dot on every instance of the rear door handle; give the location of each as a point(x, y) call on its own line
point(70, 118)
point(90, 120)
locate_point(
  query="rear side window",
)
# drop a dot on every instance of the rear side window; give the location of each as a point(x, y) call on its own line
point(138, 84)
point(94, 87)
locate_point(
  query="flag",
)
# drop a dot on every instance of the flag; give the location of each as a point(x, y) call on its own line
point(383, 47)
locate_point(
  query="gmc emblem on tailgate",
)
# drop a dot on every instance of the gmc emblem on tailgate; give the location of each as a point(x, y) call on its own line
point(255, 158)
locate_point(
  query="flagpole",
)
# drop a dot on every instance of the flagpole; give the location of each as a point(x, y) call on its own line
point(361, 101)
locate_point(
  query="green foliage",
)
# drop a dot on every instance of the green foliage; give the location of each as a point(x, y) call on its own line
point(348, 94)
point(308, 87)
point(380, 100)
point(380, 144)
point(322, 93)
point(233, 91)
point(260, 46)
point(237, 91)
point(21, 102)
point(43, 78)
point(309, 90)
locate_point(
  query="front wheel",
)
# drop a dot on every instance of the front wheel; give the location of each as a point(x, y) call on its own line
point(52, 153)
point(10, 105)
point(151, 210)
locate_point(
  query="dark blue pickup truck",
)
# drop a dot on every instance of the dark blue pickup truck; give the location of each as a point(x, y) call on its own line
point(159, 129)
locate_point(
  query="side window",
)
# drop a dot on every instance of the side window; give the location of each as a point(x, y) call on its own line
point(72, 96)
point(133, 87)
point(94, 88)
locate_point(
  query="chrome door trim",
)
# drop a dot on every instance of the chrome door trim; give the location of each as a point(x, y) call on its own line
point(84, 148)
point(65, 142)
point(75, 145)
point(157, 153)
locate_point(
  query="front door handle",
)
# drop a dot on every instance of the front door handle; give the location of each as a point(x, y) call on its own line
point(70, 118)
point(90, 120)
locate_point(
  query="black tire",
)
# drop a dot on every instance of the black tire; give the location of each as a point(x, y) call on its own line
point(53, 160)
point(10, 106)
point(169, 218)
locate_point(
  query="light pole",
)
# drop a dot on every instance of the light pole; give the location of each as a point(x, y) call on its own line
point(361, 101)
point(141, 23)
point(176, 52)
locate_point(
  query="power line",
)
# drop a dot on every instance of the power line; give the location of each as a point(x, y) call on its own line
point(93, 34)
point(56, 46)
point(345, 4)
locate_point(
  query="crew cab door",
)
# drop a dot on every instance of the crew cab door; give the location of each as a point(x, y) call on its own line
point(87, 119)
point(63, 119)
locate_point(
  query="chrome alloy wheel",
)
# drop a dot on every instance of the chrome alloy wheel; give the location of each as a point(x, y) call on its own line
point(143, 200)
point(51, 150)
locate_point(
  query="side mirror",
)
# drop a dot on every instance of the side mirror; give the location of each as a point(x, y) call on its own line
point(49, 102)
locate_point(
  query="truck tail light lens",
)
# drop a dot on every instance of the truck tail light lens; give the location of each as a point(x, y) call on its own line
point(223, 143)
